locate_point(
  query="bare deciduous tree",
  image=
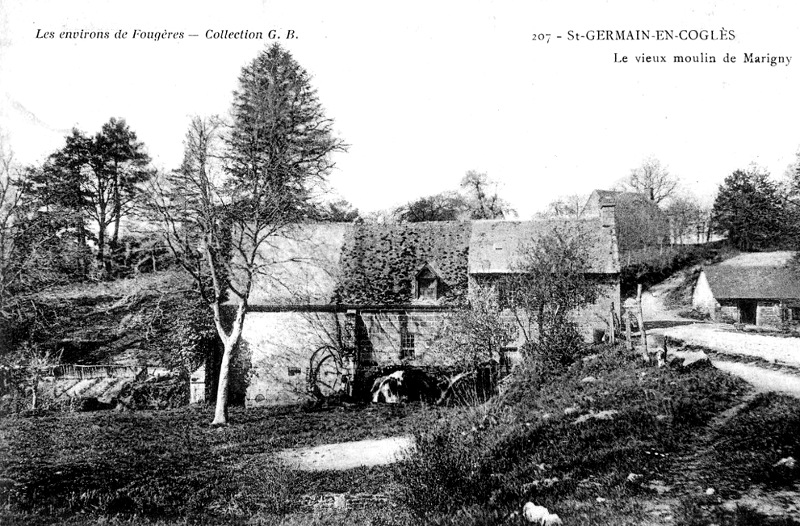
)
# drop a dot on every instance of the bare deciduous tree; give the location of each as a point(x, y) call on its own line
point(483, 200)
point(10, 199)
point(689, 220)
point(567, 206)
point(243, 186)
point(651, 176)
point(22, 238)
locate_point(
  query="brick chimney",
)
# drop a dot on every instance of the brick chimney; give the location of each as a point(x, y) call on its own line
point(607, 205)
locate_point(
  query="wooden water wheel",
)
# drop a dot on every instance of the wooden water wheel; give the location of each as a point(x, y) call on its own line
point(327, 375)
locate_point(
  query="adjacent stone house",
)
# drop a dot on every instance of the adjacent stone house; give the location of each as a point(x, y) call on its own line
point(640, 223)
point(348, 296)
point(757, 289)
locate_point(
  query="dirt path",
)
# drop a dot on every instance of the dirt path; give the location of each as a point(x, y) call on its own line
point(653, 308)
point(725, 341)
point(762, 379)
point(347, 455)
point(722, 340)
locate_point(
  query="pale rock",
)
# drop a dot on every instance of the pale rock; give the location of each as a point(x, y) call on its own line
point(534, 513)
point(589, 380)
point(571, 410)
point(540, 515)
point(552, 520)
point(608, 414)
point(788, 463)
point(339, 502)
point(710, 491)
point(634, 477)
point(600, 500)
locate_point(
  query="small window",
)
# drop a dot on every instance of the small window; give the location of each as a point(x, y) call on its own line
point(506, 292)
point(407, 340)
point(426, 288)
point(407, 346)
point(427, 284)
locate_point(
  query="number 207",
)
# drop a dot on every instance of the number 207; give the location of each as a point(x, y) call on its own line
point(542, 36)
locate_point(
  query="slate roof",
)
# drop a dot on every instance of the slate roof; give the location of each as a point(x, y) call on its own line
point(369, 264)
point(755, 276)
point(760, 259)
point(494, 245)
point(302, 267)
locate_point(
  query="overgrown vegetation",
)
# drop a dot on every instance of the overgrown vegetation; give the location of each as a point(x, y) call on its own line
point(751, 445)
point(554, 437)
point(606, 426)
point(551, 283)
point(654, 265)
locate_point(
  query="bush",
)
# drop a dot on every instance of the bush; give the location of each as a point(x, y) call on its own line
point(749, 446)
point(523, 445)
point(653, 265)
point(448, 468)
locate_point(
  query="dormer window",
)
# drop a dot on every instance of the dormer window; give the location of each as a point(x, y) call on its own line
point(426, 283)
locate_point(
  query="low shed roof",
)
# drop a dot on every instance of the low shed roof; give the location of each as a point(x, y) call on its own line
point(755, 276)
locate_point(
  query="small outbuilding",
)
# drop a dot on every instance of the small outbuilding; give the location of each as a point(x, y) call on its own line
point(757, 289)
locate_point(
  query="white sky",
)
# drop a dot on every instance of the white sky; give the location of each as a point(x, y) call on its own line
point(424, 91)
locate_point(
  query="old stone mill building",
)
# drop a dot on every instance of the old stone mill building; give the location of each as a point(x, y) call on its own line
point(346, 295)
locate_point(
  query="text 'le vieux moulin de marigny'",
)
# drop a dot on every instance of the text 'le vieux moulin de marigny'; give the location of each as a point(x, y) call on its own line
point(705, 58)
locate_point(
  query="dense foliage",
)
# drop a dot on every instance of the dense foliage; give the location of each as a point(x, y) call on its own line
point(551, 283)
point(477, 198)
point(751, 210)
point(89, 186)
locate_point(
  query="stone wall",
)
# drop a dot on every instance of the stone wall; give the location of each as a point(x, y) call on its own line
point(280, 347)
point(728, 312)
point(400, 337)
point(768, 313)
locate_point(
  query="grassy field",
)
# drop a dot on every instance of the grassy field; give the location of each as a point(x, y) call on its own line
point(173, 464)
point(683, 431)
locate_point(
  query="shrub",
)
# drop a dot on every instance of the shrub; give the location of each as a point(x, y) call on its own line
point(448, 468)
point(749, 446)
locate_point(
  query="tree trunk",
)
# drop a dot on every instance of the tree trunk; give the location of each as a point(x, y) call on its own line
point(117, 206)
point(101, 246)
point(82, 242)
point(221, 410)
point(229, 342)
